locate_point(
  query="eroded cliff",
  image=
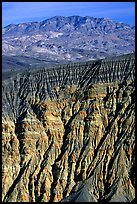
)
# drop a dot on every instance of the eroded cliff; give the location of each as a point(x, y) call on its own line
point(69, 133)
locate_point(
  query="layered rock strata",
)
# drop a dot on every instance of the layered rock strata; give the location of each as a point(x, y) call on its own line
point(68, 133)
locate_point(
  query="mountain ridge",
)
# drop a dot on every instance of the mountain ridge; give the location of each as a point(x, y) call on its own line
point(70, 39)
point(69, 18)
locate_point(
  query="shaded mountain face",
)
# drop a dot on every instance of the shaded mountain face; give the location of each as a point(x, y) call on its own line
point(60, 39)
point(68, 133)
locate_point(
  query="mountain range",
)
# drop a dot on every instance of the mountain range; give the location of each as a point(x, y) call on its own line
point(66, 39)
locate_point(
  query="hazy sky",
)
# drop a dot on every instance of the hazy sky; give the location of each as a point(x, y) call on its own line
point(17, 12)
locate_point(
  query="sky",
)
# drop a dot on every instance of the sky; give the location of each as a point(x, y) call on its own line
point(19, 12)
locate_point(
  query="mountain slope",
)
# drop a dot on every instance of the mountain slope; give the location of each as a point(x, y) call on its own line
point(69, 39)
point(68, 133)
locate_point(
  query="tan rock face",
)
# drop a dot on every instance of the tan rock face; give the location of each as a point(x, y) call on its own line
point(72, 141)
point(76, 147)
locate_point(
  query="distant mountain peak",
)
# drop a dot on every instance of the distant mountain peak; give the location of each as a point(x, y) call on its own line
point(65, 18)
point(75, 38)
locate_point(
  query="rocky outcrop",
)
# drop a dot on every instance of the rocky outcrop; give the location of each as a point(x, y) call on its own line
point(68, 133)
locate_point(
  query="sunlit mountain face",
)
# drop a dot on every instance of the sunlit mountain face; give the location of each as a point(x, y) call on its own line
point(66, 39)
